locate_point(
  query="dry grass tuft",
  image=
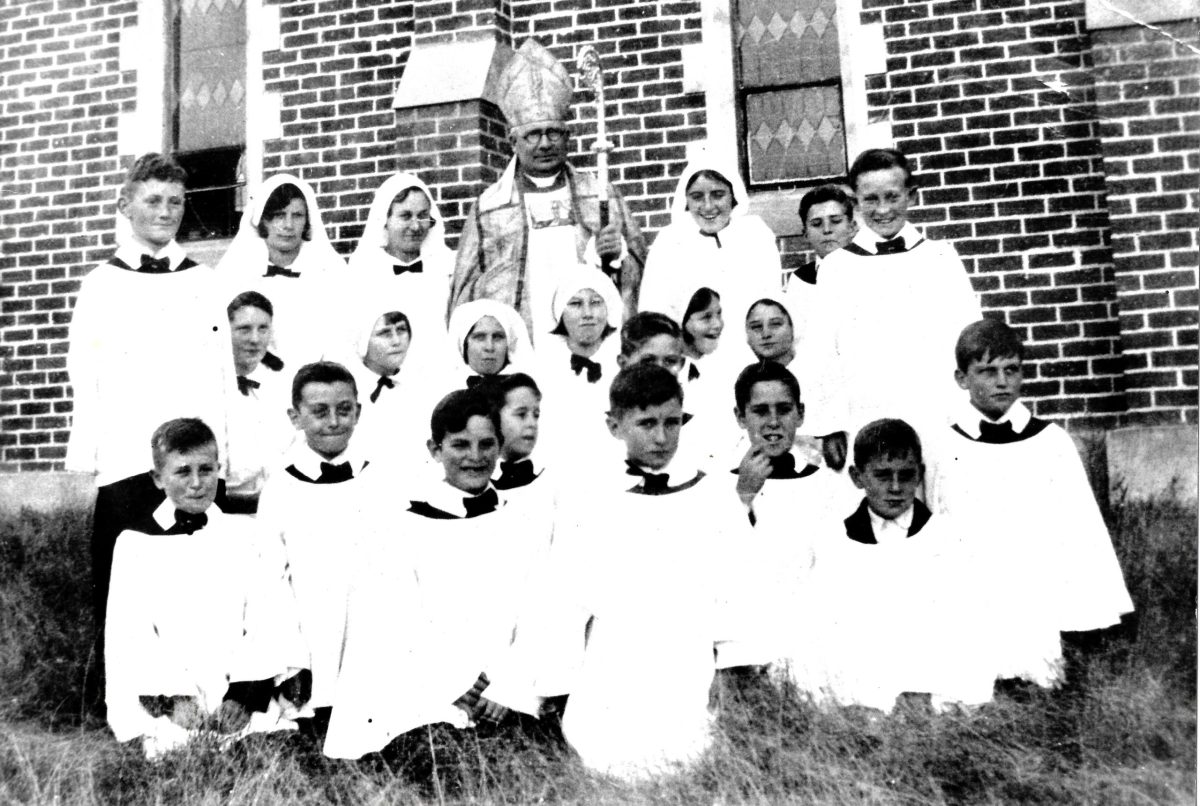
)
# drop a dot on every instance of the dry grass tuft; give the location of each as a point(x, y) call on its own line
point(1126, 737)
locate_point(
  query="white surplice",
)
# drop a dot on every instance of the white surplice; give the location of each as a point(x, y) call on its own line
point(436, 602)
point(144, 349)
point(190, 614)
point(1049, 556)
point(319, 527)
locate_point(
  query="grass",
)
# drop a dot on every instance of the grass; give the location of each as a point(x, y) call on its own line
point(1128, 737)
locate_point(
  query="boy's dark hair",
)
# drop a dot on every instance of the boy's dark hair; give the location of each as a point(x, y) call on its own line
point(250, 299)
point(179, 436)
point(277, 202)
point(773, 303)
point(642, 386)
point(987, 339)
point(763, 372)
point(162, 167)
point(320, 372)
point(822, 194)
point(881, 159)
point(455, 410)
point(884, 438)
point(641, 327)
point(497, 387)
point(700, 300)
point(714, 176)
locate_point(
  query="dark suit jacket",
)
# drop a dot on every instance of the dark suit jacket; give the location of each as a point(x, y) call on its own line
point(858, 525)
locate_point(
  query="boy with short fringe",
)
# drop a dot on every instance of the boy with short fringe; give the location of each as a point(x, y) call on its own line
point(637, 556)
point(790, 502)
point(885, 308)
point(313, 505)
point(149, 337)
point(827, 221)
point(437, 615)
point(1036, 530)
point(654, 338)
point(886, 610)
point(201, 626)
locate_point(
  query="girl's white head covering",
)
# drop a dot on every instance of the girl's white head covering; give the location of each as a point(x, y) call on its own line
point(466, 316)
point(248, 252)
point(581, 277)
point(375, 239)
point(363, 310)
point(703, 161)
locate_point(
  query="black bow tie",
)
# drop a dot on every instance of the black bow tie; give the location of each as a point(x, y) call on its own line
point(579, 363)
point(246, 384)
point(152, 265)
point(335, 474)
point(416, 268)
point(651, 482)
point(481, 504)
point(693, 372)
point(486, 380)
point(996, 433)
point(515, 474)
point(188, 522)
point(279, 271)
point(384, 380)
point(783, 466)
point(892, 246)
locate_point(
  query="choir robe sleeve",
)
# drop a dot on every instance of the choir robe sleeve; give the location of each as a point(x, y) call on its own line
point(1093, 593)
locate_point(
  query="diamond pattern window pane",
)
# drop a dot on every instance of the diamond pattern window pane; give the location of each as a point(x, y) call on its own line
point(787, 41)
point(212, 72)
point(795, 134)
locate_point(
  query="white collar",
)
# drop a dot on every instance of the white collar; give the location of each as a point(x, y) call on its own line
point(1018, 415)
point(867, 238)
point(448, 498)
point(308, 461)
point(887, 530)
point(543, 182)
point(131, 253)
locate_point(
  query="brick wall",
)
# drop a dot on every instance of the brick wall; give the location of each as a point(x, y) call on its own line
point(996, 101)
point(61, 89)
point(457, 148)
point(1148, 94)
point(336, 72)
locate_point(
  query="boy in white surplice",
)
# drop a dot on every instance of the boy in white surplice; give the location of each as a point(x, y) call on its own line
point(201, 626)
point(434, 626)
point(647, 586)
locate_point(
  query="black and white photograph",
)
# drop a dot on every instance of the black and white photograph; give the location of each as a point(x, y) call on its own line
point(599, 401)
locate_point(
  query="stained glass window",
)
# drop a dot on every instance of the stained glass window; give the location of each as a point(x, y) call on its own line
point(789, 91)
point(209, 110)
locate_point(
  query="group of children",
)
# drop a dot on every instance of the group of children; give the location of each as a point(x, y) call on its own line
point(414, 543)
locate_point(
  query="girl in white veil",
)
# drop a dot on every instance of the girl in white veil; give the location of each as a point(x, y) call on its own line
point(282, 251)
point(404, 245)
point(712, 241)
